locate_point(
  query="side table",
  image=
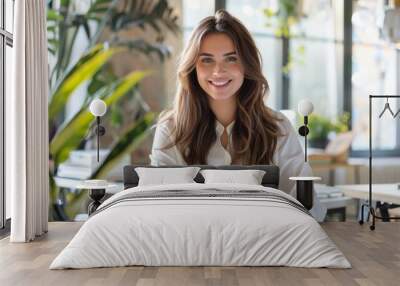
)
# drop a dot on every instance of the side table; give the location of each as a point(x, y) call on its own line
point(304, 190)
point(97, 191)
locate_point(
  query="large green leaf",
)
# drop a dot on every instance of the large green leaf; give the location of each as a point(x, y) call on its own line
point(92, 52)
point(86, 67)
point(103, 77)
point(54, 15)
point(71, 134)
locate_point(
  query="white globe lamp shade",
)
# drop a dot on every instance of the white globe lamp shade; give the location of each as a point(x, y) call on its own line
point(98, 107)
point(305, 107)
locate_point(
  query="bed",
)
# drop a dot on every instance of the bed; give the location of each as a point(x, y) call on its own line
point(198, 224)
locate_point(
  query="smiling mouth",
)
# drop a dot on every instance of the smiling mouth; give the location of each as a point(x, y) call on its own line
point(220, 83)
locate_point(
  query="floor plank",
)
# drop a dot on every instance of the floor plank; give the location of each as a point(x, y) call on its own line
point(374, 255)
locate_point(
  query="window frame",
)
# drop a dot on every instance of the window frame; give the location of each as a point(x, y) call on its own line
point(6, 39)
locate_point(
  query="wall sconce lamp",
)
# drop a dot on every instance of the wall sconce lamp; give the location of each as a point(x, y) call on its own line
point(305, 108)
point(304, 185)
point(98, 108)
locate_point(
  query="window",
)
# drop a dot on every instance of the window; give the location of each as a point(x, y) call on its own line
point(375, 70)
point(318, 51)
point(6, 43)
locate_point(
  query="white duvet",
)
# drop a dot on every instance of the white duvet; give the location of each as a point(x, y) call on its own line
point(200, 231)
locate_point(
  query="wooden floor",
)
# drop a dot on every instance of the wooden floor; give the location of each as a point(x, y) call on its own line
point(375, 257)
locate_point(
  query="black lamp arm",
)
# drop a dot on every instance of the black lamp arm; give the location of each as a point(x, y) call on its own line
point(99, 131)
point(98, 137)
point(303, 131)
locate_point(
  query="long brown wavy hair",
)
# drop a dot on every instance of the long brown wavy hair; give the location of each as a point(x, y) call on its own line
point(255, 131)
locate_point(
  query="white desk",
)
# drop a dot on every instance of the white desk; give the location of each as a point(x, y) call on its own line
point(389, 193)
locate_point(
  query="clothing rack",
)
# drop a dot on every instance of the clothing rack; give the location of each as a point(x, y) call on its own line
point(369, 205)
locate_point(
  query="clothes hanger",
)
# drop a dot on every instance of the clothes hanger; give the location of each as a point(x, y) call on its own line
point(387, 106)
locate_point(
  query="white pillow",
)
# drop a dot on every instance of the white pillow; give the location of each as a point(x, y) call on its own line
point(163, 176)
point(248, 177)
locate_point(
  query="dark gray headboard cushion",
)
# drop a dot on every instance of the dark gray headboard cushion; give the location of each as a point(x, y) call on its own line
point(270, 179)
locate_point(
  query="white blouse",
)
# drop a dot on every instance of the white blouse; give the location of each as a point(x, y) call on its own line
point(288, 156)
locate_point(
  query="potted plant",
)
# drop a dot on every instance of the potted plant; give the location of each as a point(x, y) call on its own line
point(321, 127)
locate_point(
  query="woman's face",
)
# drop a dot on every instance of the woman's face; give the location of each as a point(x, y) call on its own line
point(219, 70)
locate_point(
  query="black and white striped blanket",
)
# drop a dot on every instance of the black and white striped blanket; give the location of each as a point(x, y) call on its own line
point(206, 194)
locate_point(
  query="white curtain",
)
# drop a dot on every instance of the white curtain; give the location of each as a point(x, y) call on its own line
point(27, 173)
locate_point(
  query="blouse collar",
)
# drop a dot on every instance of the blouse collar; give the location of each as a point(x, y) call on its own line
point(220, 128)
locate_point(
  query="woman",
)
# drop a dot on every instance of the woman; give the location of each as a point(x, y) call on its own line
point(219, 116)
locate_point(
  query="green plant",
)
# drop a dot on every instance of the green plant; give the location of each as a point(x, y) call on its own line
point(102, 21)
point(320, 126)
point(289, 13)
